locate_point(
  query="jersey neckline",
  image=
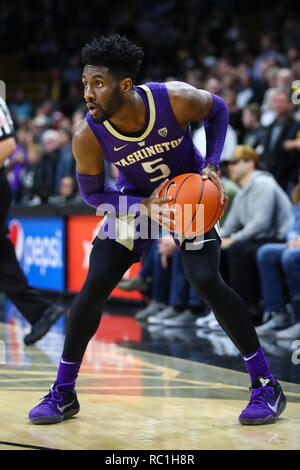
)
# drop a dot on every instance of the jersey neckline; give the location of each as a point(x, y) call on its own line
point(151, 122)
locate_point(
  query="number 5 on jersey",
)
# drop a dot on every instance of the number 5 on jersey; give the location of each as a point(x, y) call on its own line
point(152, 167)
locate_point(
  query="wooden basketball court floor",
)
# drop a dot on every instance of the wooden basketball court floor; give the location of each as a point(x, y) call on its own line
point(136, 392)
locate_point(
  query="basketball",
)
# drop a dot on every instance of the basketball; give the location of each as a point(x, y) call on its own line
point(197, 203)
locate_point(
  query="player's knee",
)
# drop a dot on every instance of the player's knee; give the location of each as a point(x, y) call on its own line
point(206, 280)
point(97, 286)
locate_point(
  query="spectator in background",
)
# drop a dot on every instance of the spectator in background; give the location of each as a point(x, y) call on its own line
point(235, 114)
point(111, 174)
point(72, 73)
point(231, 188)
point(38, 126)
point(277, 80)
point(292, 56)
point(268, 114)
point(39, 178)
point(254, 133)
point(71, 99)
point(174, 302)
point(20, 106)
point(285, 78)
point(293, 145)
point(29, 190)
point(67, 194)
point(246, 94)
point(154, 280)
point(184, 305)
point(267, 51)
point(59, 121)
point(270, 80)
point(278, 266)
point(231, 141)
point(16, 163)
point(259, 214)
point(66, 162)
point(276, 159)
point(214, 85)
point(46, 170)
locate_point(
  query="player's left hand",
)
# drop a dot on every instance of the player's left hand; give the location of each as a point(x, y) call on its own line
point(211, 172)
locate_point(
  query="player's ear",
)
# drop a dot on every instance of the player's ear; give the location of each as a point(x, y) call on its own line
point(126, 85)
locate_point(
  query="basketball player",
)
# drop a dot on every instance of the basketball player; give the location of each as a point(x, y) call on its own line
point(145, 132)
point(37, 310)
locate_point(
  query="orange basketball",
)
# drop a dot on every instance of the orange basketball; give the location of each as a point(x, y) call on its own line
point(197, 203)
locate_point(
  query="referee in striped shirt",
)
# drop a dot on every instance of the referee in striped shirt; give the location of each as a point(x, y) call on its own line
point(39, 312)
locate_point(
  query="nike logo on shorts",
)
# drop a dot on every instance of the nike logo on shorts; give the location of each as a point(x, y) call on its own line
point(195, 242)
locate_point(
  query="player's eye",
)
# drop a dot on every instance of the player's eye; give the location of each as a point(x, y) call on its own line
point(98, 84)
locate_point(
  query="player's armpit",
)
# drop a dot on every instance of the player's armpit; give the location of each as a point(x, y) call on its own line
point(87, 151)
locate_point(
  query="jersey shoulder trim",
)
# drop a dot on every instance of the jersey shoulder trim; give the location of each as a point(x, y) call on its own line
point(152, 117)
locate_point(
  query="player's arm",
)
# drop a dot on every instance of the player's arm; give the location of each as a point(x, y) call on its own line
point(190, 104)
point(87, 151)
point(90, 175)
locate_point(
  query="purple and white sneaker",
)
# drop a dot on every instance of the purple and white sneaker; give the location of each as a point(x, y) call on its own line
point(59, 404)
point(267, 402)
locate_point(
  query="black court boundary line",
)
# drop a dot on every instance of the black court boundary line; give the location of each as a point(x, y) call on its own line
point(26, 446)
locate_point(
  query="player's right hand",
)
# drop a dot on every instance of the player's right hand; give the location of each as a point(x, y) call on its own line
point(153, 207)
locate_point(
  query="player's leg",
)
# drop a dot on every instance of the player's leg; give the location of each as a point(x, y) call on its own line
point(109, 260)
point(202, 270)
point(37, 310)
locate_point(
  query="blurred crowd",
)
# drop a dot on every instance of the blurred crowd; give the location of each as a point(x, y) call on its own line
point(249, 54)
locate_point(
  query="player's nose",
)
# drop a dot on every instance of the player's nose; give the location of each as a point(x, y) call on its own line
point(89, 95)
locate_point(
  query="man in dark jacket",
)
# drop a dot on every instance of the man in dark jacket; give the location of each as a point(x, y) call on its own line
point(275, 159)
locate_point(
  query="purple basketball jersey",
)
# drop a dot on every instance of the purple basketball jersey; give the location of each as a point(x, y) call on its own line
point(162, 150)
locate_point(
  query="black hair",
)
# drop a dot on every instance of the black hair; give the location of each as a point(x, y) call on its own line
point(117, 53)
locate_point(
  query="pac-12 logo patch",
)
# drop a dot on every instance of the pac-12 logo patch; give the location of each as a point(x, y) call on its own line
point(163, 131)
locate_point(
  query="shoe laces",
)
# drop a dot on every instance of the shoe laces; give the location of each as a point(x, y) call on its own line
point(54, 395)
point(259, 395)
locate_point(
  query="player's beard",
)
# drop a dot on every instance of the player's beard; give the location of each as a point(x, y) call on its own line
point(114, 104)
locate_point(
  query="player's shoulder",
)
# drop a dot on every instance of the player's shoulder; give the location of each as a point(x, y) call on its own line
point(184, 94)
point(82, 130)
point(83, 133)
point(84, 138)
point(180, 89)
point(188, 102)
